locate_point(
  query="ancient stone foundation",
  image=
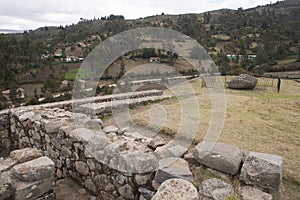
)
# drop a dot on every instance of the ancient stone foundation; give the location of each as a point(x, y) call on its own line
point(115, 163)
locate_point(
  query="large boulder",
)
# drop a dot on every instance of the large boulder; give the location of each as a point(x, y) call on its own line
point(178, 189)
point(222, 157)
point(215, 189)
point(263, 170)
point(244, 81)
point(173, 168)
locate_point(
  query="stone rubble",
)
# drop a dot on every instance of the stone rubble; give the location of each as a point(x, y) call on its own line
point(29, 177)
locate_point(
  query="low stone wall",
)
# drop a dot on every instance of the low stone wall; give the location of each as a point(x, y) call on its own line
point(107, 107)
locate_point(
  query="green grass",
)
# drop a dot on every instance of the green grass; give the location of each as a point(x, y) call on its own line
point(78, 73)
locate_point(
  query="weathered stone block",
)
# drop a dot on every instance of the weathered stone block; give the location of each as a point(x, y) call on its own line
point(126, 192)
point(177, 189)
point(34, 170)
point(82, 168)
point(33, 190)
point(223, 157)
point(215, 189)
point(263, 170)
point(24, 155)
point(252, 193)
point(173, 168)
point(110, 129)
point(83, 134)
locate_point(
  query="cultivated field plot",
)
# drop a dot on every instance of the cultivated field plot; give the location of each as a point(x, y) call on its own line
point(256, 120)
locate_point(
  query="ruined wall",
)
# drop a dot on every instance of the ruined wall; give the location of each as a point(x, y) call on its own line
point(115, 163)
point(6, 138)
point(55, 133)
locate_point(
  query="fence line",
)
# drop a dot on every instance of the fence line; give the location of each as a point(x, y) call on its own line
point(263, 83)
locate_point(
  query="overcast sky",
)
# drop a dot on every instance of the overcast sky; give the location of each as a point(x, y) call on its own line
point(32, 14)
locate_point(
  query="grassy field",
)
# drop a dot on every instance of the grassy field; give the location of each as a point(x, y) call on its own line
point(257, 120)
point(72, 75)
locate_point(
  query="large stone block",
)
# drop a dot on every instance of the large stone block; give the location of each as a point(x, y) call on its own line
point(263, 170)
point(33, 190)
point(176, 189)
point(222, 157)
point(173, 168)
point(24, 155)
point(34, 170)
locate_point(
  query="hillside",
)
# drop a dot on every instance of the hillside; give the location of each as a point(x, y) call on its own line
point(256, 40)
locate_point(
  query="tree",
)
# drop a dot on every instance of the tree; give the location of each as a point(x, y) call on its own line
point(122, 69)
point(299, 53)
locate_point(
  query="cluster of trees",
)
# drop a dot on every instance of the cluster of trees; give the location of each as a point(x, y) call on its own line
point(163, 55)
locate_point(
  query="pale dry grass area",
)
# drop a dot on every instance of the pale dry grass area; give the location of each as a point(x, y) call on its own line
point(256, 120)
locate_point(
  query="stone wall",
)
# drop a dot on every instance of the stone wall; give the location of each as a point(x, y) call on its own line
point(6, 139)
point(117, 164)
point(55, 133)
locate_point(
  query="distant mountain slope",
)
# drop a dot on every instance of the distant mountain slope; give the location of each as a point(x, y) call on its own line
point(5, 31)
point(270, 32)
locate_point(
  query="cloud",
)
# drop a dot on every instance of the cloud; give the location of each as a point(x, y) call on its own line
point(31, 14)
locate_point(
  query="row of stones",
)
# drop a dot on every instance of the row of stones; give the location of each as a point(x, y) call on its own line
point(69, 104)
point(108, 107)
point(260, 169)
